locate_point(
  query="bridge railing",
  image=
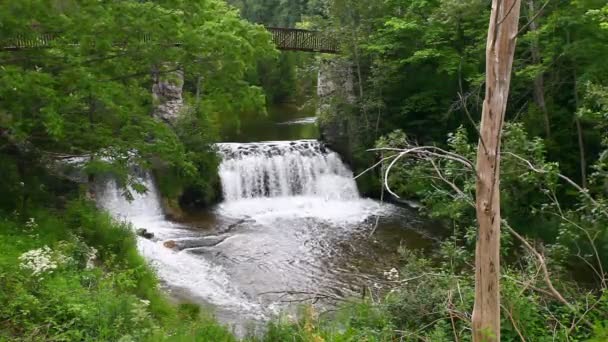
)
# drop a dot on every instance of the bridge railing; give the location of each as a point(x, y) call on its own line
point(303, 40)
point(284, 38)
point(27, 42)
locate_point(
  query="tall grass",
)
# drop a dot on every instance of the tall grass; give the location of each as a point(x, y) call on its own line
point(116, 300)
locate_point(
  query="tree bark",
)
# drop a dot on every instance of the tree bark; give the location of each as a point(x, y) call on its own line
point(539, 82)
point(500, 49)
point(581, 139)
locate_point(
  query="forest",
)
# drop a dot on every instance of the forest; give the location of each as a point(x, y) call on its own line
point(485, 119)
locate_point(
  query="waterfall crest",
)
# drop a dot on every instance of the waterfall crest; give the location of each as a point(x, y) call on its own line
point(284, 169)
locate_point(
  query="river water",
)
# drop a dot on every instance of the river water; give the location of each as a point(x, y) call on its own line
point(292, 229)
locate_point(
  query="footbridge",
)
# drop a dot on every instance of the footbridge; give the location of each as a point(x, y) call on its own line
point(287, 39)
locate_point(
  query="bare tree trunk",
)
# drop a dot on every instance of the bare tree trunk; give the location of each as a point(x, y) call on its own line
point(581, 140)
point(500, 49)
point(360, 79)
point(539, 82)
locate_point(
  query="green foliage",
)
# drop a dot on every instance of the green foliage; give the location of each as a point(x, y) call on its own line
point(201, 187)
point(101, 288)
point(93, 97)
point(432, 303)
point(530, 192)
point(289, 77)
point(422, 71)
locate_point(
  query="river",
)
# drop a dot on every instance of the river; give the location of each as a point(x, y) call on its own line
point(292, 229)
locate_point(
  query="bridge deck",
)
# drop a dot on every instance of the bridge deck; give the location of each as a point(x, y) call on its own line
point(303, 40)
point(284, 38)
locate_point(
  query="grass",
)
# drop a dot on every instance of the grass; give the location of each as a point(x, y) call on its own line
point(116, 300)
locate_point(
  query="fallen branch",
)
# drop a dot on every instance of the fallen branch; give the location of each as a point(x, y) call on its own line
point(421, 152)
point(547, 277)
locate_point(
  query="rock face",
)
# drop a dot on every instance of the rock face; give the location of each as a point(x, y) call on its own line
point(70, 168)
point(167, 94)
point(335, 80)
point(335, 90)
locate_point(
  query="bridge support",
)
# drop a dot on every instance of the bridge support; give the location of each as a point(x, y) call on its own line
point(336, 100)
point(167, 93)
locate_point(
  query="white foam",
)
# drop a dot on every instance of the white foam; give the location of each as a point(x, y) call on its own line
point(200, 278)
point(180, 270)
point(337, 212)
point(302, 121)
point(290, 179)
point(284, 169)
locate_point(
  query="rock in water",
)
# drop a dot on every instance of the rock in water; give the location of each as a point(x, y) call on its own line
point(144, 233)
point(170, 244)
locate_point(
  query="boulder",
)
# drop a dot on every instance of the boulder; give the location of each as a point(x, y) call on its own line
point(144, 233)
point(170, 244)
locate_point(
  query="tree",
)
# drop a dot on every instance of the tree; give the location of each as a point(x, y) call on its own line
point(500, 50)
point(94, 97)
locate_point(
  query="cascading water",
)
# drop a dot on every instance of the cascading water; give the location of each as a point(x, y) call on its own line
point(283, 169)
point(292, 223)
point(290, 179)
point(181, 271)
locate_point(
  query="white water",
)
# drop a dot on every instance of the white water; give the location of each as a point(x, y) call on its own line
point(179, 270)
point(293, 179)
point(298, 199)
point(302, 121)
point(284, 169)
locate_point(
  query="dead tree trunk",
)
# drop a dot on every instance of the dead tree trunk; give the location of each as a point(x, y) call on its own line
point(502, 36)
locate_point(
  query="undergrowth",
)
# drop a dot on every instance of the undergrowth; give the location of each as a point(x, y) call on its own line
point(432, 302)
point(76, 275)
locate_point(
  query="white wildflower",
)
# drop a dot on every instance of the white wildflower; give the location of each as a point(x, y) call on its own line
point(91, 257)
point(140, 311)
point(31, 224)
point(392, 274)
point(38, 261)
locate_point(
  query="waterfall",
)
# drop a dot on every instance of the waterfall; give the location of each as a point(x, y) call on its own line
point(286, 204)
point(269, 181)
point(284, 169)
point(181, 271)
point(143, 206)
